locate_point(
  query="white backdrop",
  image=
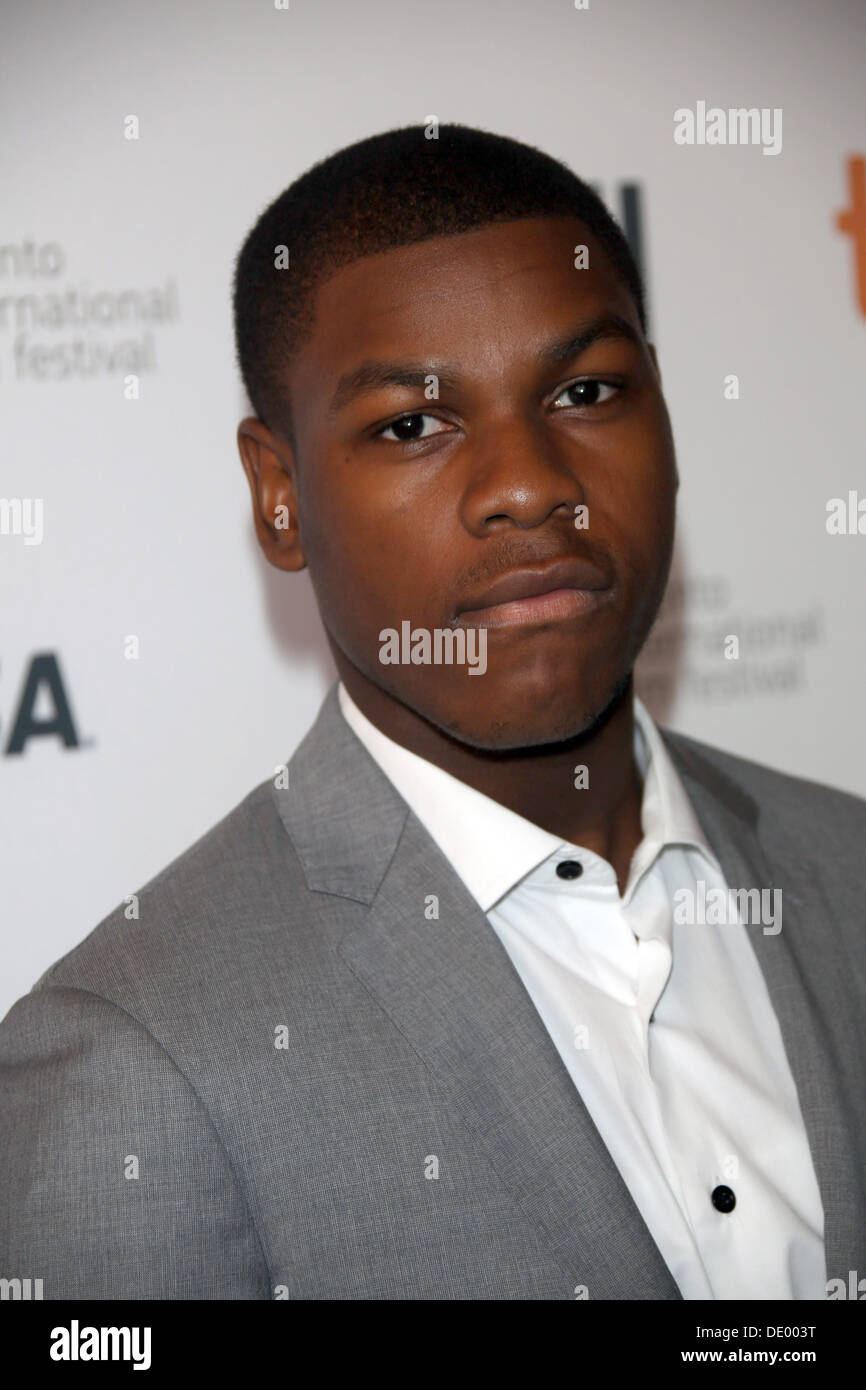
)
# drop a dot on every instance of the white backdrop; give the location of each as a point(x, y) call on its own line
point(116, 256)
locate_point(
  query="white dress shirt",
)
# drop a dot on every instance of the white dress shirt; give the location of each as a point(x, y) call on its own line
point(667, 1030)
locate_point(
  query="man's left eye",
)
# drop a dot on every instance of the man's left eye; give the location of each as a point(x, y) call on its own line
point(588, 392)
point(410, 427)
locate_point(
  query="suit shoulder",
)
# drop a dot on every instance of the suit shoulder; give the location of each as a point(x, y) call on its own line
point(205, 903)
point(781, 797)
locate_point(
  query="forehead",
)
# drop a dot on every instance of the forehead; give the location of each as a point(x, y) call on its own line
point(500, 288)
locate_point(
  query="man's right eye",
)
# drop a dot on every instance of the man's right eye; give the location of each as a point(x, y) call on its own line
point(409, 428)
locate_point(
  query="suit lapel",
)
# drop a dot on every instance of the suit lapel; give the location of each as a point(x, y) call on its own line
point(450, 987)
point(810, 997)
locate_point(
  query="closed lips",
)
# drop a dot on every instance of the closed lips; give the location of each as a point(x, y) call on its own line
point(529, 583)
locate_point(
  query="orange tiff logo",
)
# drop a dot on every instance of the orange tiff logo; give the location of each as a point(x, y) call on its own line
point(852, 221)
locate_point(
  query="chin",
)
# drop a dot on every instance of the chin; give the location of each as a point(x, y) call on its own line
point(500, 725)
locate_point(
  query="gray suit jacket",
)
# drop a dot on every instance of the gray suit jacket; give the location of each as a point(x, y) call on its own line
point(241, 1093)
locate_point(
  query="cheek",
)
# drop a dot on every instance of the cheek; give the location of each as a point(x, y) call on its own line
point(651, 542)
point(370, 554)
point(377, 525)
point(635, 514)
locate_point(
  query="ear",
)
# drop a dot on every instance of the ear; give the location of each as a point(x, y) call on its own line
point(270, 466)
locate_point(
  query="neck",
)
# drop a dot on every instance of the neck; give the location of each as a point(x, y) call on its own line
point(537, 783)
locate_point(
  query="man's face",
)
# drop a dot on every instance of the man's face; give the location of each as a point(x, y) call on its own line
point(449, 518)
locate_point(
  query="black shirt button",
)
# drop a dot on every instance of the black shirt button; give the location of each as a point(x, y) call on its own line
point(723, 1199)
point(569, 868)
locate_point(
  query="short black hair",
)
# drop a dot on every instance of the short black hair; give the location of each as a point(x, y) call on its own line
point(386, 191)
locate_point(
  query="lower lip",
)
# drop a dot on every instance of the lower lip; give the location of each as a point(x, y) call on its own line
point(557, 606)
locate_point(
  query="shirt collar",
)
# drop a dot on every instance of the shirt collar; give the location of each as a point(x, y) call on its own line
point(492, 848)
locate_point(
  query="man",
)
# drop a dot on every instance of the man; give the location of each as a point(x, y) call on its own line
point(437, 1014)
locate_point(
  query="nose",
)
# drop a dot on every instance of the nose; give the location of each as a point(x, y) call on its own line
point(517, 475)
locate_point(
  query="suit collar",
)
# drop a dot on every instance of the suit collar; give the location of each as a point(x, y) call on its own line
point(346, 851)
point(341, 813)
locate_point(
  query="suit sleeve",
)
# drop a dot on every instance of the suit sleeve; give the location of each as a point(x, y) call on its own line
point(113, 1180)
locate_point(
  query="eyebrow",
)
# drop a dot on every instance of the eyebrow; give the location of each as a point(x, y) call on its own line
point(373, 376)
